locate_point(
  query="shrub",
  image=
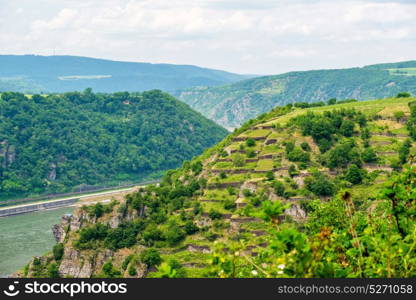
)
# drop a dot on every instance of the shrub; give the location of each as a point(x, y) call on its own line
point(305, 146)
point(319, 185)
point(398, 115)
point(132, 270)
point(269, 175)
point(110, 271)
point(251, 153)
point(190, 227)
point(53, 271)
point(247, 193)
point(250, 142)
point(239, 160)
point(279, 188)
point(58, 251)
point(354, 174)
point(404, 151)
point(151, 257)
point(297, 155)
point(404, 95)
point(332, 101)
point(347, 128)
point(151, 234)
point(214, 214)
point(229, 204)
point(369, 156)
point(174, 234)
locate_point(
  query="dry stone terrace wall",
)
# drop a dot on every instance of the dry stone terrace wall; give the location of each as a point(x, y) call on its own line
point(270, 141)
point(376, 167)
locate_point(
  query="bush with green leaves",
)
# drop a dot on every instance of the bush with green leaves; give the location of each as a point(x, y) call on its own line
point(339, 239)
point(150, 257)
point(109, 271)
point(319, 184)
point(58, 251)
point(354, 174)
point(369, 155)
point(250, 142)
point(279, 188)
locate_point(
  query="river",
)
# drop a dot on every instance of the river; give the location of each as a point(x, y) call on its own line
point(27, 235)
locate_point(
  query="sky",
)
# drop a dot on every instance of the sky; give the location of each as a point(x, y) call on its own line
point(242, 36)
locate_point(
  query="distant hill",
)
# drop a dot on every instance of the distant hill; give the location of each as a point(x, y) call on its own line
point(35, 74)
point(232, 104)
point(54, 143)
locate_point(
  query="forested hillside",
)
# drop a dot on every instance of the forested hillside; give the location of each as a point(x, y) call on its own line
point(37, 74)
point(233, 104)
point(54, 143)
point(298, 192)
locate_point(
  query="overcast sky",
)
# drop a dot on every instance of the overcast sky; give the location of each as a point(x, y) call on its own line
point(244, 36)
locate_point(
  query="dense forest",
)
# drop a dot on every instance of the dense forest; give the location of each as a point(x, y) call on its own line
point(233, 104)
point(59, 74)
point(56, 142)
point(321, 191)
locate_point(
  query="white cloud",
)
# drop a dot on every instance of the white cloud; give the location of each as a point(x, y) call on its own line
point(264, 36)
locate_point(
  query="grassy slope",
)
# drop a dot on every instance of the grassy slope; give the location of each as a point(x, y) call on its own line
point(230, 230)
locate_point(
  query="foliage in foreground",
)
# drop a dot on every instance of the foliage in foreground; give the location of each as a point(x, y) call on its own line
point(340, 239)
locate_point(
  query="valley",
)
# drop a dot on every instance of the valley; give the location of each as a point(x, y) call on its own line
point(233, 104)
point(59, 143)
point(297, 192)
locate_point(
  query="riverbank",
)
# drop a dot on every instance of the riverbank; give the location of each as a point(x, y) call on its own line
point(63, 202)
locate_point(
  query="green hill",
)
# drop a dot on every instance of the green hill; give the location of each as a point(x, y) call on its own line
point(233, 104)
point(318, 192)
point(54, 143)
point(58, 74)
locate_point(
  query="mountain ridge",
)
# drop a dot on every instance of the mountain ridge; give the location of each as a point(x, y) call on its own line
point(36, 73)
point(232, 104)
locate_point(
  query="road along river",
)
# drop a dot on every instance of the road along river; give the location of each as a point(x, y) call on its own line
point(29, 234)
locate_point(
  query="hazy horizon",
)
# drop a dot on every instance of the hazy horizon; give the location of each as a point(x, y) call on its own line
point(240, 36)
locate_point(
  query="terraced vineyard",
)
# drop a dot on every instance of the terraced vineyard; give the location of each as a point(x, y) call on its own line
point(294, 193)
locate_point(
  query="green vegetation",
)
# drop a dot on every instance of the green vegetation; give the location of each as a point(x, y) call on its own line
point(46, 74)
point(348, 210)
point(261, 94)
point(54, 143)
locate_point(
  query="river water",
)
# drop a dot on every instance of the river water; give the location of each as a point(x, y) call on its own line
point(27, 235)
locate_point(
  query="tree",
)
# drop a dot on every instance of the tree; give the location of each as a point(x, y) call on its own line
point(319, 184)
point(343, 154)
point(297, 155)
point(271, 211)
point(369, 155)
point(239, 160)
point(332, 101)
point(354, 174)
point(53, 271)
point(305, 146)
point(347, 128)
point(404, 151)
point(269, 175)
point(151, 257)
point(404, 95)
point(250, 142)
point(279, 188)
point(58, 251)
point(190, 227)
point(399, 115)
